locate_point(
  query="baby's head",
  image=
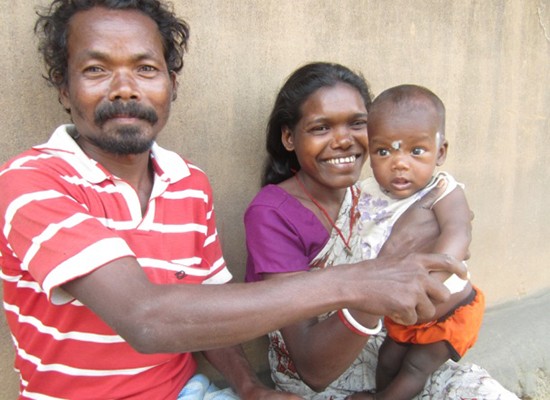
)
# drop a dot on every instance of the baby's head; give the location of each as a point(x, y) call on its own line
point(406, 128)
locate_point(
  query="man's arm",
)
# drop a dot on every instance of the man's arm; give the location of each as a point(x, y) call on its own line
point(234, 366)
point(179, 318)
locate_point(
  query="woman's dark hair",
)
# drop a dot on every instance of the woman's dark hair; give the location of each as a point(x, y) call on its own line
point(53, 24)
point(281, 163)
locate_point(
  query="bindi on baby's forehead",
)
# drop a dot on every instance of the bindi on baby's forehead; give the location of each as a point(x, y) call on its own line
point(396, 144)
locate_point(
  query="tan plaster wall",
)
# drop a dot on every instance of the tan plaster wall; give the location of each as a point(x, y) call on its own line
point(488, 60)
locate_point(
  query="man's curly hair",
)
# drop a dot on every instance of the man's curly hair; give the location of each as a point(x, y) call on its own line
point(52, 29)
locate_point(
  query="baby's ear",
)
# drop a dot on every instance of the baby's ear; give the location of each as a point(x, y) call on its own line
point(442, 153)
point(287, 139)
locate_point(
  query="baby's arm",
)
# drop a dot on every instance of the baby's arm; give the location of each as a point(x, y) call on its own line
point(454, 219)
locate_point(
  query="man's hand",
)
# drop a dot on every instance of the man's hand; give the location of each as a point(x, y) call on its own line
point(402, 288)
point(265, 393)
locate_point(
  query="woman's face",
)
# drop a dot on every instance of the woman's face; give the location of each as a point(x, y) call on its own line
point(330, 140)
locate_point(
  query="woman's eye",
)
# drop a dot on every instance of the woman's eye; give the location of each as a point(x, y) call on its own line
point(319, 129)
point(360, 124)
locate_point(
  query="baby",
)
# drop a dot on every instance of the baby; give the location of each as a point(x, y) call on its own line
point(406, 128)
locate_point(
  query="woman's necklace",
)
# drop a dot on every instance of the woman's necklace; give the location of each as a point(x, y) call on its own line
point(353, 213)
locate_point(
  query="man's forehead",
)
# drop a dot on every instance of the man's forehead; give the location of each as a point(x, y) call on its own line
point(101, 30)
point(98, 19)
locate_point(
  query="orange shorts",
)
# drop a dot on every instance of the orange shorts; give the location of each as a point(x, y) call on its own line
point(459, 329)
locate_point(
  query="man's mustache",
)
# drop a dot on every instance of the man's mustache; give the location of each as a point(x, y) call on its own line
point(106, 111)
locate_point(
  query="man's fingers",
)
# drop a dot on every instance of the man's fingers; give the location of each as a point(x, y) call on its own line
point(425, 308)
point(433, 195)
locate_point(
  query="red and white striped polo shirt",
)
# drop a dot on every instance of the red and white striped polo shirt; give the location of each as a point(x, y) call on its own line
point(63, 216)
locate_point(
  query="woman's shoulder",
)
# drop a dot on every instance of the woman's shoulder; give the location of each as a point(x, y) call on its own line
point(273, 203)
point(274, 196)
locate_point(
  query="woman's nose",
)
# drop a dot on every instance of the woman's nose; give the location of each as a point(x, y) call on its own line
point(342, 138)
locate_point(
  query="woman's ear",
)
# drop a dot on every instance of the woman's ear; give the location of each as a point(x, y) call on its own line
point(287, 139)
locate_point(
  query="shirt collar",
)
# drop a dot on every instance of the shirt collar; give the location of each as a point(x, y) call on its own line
point(169, 166)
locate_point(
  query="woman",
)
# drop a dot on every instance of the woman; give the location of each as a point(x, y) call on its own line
point(304, 219)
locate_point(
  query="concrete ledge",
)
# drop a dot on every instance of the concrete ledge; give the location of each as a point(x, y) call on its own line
point(514, 347)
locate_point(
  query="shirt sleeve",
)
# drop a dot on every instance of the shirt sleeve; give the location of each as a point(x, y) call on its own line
point(212, 251)
point(51, 233)
point(274, 243)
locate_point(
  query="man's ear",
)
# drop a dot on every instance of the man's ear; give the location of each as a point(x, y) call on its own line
point(63, 97)
point(287, 139)
point(442, 153)
point(175, 85)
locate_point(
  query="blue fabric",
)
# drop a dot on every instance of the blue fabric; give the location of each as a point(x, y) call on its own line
point(199, 387)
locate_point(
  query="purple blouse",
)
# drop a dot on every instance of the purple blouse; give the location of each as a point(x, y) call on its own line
point(281, 234)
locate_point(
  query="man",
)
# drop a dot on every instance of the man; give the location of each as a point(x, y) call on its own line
point(109, 242)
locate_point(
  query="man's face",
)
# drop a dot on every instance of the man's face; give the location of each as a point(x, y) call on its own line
point(119, 89)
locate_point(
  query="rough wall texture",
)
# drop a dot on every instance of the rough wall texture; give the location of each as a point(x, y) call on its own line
point(488, 61)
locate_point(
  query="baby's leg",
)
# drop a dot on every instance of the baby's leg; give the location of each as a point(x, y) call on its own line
point(390, 358)
point(419, 363)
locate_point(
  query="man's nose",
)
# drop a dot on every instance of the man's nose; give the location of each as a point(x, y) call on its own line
point(124, 87)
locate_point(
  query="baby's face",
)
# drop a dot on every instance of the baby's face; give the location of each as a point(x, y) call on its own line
point(404, 151)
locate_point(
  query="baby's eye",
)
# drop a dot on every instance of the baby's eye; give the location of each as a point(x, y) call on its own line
point(383, 152)
point(418, 151)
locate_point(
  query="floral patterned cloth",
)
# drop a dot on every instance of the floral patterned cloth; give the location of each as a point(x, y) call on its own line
point(452, 381)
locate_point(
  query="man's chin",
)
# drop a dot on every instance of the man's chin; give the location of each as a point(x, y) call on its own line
point(125, 147)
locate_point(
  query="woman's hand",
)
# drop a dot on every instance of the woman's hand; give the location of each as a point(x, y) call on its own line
point(417, 229)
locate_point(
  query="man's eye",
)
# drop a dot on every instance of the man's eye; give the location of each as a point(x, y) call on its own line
point(148, 69)
point(93, 69)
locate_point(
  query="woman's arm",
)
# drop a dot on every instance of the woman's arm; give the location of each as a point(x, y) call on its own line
point(416, 230)
point(316, 347)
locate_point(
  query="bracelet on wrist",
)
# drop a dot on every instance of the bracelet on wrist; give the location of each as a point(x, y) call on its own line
point(354, 326)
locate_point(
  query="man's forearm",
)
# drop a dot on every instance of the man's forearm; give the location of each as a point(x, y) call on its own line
point(232, 363)
point(183, 318)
